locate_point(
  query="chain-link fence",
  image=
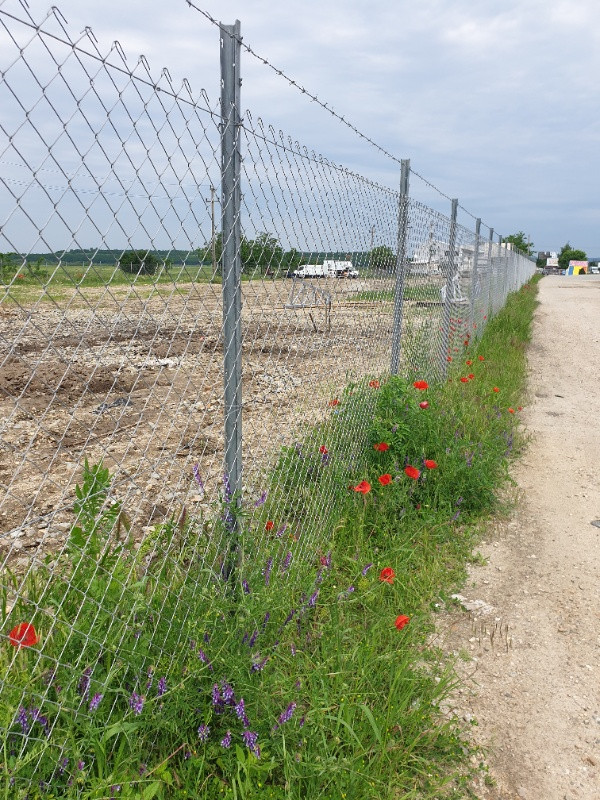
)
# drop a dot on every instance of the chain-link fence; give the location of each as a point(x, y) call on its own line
point(185, 293)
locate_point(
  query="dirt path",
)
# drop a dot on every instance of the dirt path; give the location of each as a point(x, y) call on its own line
point(533, 693)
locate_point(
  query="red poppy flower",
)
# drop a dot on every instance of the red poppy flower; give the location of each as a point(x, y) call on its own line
point(511, 411)
point(363, 487)
point(412, 472)
point(374, 384)
point(387, 575)
point(485, 317)
point(519, 408)
point(385, 479)
point(496, 389)
point(481, 358)
point(382, 447)
point(23, 635)
point(448, 358)
point(466, 342)
point(323, 449)
point(401, 621)
point(430, 464)
point(424, 404)
point(269, 525)
point(471, 376)
point(334, 402)
point(464, 380)
point(421, 385)
point(468, 363)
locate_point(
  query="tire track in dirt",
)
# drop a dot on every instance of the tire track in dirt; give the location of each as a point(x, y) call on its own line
point(533, 693)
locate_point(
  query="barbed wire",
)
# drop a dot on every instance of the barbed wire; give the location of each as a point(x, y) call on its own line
point(326, 107)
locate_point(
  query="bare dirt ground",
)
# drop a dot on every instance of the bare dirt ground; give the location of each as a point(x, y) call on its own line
point(531, 640)
point(134, 375)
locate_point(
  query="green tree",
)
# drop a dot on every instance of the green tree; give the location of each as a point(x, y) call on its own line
point(138, 262)
point(567, 254)
point(520, 242)
point(8, 266)
point(382, 257)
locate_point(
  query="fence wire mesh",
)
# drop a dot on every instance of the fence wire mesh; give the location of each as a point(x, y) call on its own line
point(111, 352)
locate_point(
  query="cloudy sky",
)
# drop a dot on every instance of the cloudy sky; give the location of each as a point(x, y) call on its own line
point(496, 102)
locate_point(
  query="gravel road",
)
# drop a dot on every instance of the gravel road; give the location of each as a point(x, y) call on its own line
point(532, 680)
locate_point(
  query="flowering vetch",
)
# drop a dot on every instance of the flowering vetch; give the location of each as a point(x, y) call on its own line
point(136, 703)
point(203, 733)
point(366, 568)
point(226, 740)
point(95, 701)
point(261, 500)
point(161, 687)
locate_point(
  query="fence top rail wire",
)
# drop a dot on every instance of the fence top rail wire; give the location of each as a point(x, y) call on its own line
point(326, 107)
point(123, 69)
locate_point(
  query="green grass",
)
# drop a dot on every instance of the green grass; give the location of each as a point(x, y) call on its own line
point(343, 704)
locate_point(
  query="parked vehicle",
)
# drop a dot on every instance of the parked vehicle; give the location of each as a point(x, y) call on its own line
point(328, 269)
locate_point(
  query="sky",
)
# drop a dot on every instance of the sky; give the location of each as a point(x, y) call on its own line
point(495, 103)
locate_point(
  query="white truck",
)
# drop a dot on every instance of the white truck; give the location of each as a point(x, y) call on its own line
point(328, 269)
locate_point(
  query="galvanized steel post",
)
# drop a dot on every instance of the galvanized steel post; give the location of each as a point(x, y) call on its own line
point(230, 260)
point(490, 273)
point(449, 295)
point(475, 282)
point(400, 265)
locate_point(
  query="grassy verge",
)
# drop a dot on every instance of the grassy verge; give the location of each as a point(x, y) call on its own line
point(307, 672)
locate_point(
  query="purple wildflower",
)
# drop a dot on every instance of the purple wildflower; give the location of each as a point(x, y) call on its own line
point(62, 765)
point(325, 458)
point(95, 701)
point(80, 765)
point(216, 696)
point(267, 570)
point(287, 561)
point(35, 715)
point(261, 500)
point(250, 740)
point(366, 568)
point(313, 599)
point(301, 722)
point(22, 719)
point(281, 530)
point(114, 789)
point(265, 620)
point(83, 687)
point(228, 694)
point(226, 489)
point(286, 715)
point(240, 713)
point(162, 687)
point(292, 648)
point(136, 703)
point(142, 769)
point(203, 733)
point(245, 587)
point(456, 516)
point(226, 740)
point(253, 639)
point(290, 616)
point(258, 665)
point(150, 680)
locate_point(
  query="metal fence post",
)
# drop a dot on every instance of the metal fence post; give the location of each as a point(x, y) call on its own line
point(474, 276)
point(400, 265)
point(230, 259)
point(449, 296)
point(490, 273)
